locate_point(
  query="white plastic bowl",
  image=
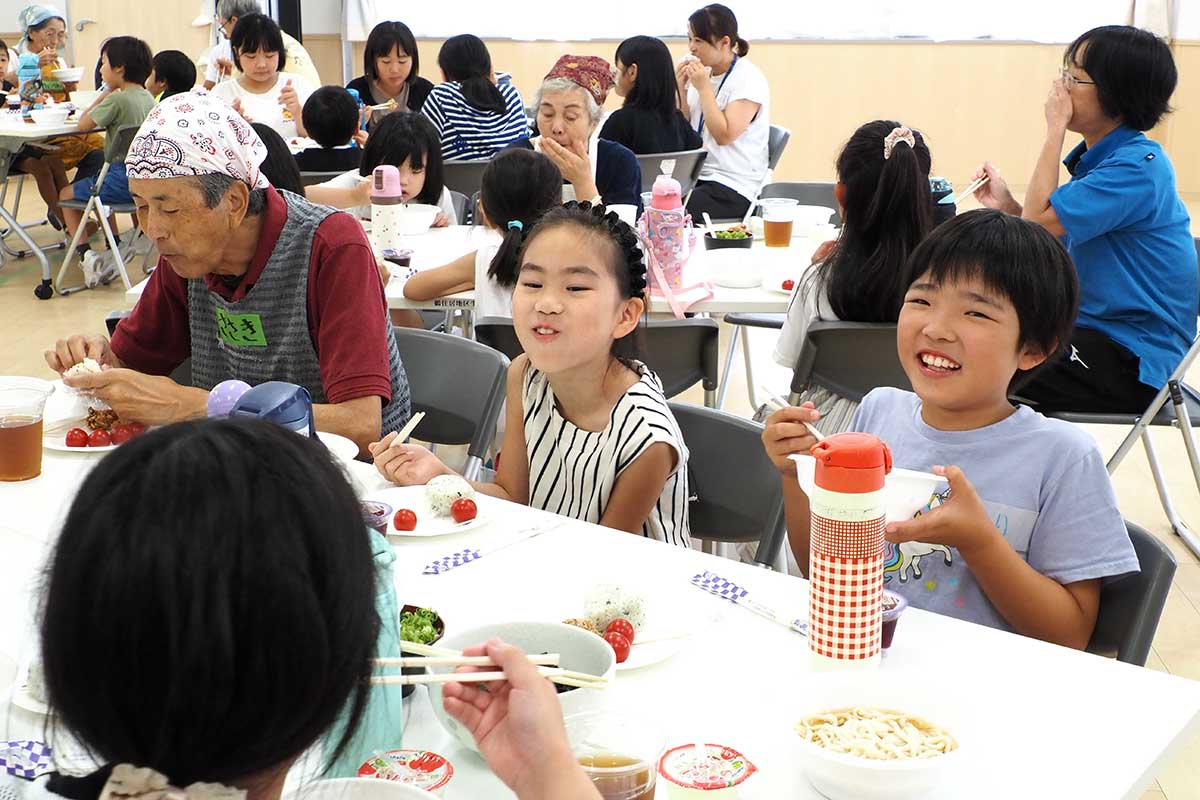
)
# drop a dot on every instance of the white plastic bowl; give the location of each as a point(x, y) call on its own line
point(839, 776)
point(906, 491)
point(580, 651)
point(358, 789)
point(417, 218)
point(808, 217)
point(733, 267)
point(68, 74)
point(82, 98)
point(50, 116)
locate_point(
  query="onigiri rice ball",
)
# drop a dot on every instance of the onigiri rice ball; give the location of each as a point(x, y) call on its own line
point(442, 491)
point(606, 602)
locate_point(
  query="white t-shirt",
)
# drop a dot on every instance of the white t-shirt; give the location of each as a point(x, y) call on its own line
point(491, 299)
point(351, 179)
point(809, 304)
point(265, 107)
point(298, 62)
point(742, 164)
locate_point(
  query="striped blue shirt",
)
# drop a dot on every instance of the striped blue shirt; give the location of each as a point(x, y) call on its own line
point(468, 133)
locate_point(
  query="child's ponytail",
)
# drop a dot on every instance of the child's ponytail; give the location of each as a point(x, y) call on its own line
point(887, 211)
point(517, 188)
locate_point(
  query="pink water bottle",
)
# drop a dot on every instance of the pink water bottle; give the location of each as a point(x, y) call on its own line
point(845, 554)
point(667, 193)
point(387, 206)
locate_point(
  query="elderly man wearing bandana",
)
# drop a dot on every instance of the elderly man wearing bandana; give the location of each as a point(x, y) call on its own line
point(569, 104)
point(253, 283)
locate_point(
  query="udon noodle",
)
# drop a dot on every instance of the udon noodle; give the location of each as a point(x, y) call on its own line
point(875, 733)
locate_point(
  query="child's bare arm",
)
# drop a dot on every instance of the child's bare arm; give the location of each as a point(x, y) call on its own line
point(784, 435)
point(636, 492)
point(457, 276)
point(1032, 603)
point(512, 476)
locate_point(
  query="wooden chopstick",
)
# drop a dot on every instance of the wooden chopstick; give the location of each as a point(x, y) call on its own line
point(567, 678)
point(776, 402)
point(455, 677)
point(546, 659)
point(407, 430)
point(970, 190)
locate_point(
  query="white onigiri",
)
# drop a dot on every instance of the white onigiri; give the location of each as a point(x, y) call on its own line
point(606, 602)
point(442, 491)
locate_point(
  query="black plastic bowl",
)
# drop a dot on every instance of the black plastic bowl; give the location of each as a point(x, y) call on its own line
point(713, 243)
point(438, 625)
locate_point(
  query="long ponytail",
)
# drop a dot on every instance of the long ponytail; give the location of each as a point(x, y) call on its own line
point(886, 215)
point(517, 188)
point(465, 59)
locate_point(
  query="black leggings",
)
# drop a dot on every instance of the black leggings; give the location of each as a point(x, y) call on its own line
point(718, 200)
point(1095, 374)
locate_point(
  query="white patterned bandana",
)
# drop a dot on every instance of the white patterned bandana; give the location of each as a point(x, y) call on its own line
point(193, 134)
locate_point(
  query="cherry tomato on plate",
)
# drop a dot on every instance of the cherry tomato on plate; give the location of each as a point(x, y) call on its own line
point(405, 520)
point(99, 438)
point(619, 644)
point(463, 510)
point(122, 434)
point(621, 626)
point(137, 428)
point(788, 285)
point(77, 437)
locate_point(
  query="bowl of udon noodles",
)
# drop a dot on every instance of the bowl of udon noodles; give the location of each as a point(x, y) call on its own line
point(877, 735)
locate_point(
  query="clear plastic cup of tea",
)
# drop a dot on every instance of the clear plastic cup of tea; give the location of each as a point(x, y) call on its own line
point(22, 401)
point(619, 753)
point(779, 214)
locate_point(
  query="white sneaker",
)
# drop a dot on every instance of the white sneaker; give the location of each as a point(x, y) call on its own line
point(91, 268)
point(106, 266)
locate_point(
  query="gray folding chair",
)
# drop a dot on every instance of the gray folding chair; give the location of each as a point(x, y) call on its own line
point(739, 320)
point(464, 177)
point(1176, 405)
point(731, 505)
point(313, 178)
point(777, 141)
point(683, 165)
point(809, 194)
point(5, 249)
point(1130, 606)
point(462, 207)
point(460, 386)
point(682, 352)
point(95, 207)
point(847, 360)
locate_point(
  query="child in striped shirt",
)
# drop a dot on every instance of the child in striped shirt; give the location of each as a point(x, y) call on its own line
point(589, 433)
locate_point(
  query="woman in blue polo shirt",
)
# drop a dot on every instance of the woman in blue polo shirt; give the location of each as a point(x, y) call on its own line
point(1121, 219)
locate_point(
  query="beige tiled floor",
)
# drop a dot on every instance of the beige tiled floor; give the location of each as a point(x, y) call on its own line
point(28, 326)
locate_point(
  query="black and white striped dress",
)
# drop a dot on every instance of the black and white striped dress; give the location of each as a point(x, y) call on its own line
point(572, 471)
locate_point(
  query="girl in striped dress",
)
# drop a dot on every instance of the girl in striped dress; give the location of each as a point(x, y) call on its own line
point(589, 433)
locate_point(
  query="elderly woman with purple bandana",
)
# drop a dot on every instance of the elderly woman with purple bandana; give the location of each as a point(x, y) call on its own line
point(253, 283)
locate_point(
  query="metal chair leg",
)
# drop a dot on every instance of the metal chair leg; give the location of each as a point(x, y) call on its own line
point(725, 370)
point(72, 255)
point(751, 391)
point(1164, 496)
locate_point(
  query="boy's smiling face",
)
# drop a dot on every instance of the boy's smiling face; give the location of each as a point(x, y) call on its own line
point(958, 343)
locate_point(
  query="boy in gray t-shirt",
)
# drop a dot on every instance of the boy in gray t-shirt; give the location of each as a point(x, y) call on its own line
point(1024, 543)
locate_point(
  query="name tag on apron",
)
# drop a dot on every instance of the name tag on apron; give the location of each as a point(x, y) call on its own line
point(240, 330)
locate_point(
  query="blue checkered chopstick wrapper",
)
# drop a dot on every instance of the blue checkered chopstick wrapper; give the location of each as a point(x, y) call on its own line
point(25, 758)
point(451, 561)
point(715, 584)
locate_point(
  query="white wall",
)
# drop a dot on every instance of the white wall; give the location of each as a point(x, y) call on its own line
point(321, 16)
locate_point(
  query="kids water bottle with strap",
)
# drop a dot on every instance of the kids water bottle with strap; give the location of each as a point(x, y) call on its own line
point(846, 542)
point(387, 206)
point(668, 240)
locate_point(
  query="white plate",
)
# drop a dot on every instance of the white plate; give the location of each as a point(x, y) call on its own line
point(340, 446)
point(22, 698)
point(428, 524)
point(772, 285)
point(59, 442)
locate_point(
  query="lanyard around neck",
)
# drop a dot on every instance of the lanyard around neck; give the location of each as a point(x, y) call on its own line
point(725, 77)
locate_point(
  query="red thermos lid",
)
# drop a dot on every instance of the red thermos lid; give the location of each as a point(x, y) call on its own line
point(852, 463)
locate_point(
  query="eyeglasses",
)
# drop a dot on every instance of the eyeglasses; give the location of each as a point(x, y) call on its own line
point(1072, 81)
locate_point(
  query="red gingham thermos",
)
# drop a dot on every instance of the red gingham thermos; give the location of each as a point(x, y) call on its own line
point(845, 554)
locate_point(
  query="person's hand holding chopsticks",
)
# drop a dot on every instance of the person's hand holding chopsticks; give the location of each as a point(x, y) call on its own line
point(993, 192)
point(518, 727)
point(788, 431)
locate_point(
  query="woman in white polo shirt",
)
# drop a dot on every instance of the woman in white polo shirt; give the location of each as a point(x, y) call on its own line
point(728, 102)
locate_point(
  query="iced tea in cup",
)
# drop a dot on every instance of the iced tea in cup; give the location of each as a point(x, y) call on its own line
point(620, 754)
point(779, 213)
point(22, 401)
